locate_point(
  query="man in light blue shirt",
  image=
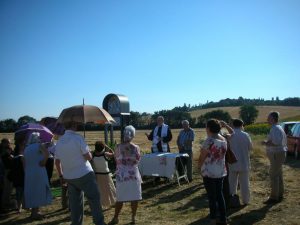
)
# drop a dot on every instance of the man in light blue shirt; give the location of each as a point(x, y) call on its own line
point(185, 145)
point(276, 146)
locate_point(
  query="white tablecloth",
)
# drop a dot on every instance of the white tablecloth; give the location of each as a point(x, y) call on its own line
point(159, 164)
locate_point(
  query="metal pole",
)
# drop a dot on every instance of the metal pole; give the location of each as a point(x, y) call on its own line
point(121, 128)
point(105, 133)
point(83, 119)
point(111, 134)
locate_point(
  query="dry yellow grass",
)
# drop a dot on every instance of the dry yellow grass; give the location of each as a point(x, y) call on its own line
point(141, 139)
point(169, 204)
point(285, 112)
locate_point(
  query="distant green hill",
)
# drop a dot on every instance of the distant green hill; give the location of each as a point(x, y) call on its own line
point(231, 102)
point(286, 112)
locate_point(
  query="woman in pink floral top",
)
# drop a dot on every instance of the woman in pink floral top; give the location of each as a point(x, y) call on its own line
point(128, 178)
point(213, 169)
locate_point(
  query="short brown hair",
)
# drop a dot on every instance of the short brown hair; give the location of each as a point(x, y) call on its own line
point(237, 123)
point(213, 125)
point(99, 146)
point(274, 115)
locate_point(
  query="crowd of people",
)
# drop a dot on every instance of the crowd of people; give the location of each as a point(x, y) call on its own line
point(86, 174)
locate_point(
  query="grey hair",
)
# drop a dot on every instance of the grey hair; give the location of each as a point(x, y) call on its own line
point(185, 122)
point(129, 133)
point(161, 117)
point(34, 138)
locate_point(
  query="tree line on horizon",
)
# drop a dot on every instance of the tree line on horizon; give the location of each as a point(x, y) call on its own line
point(228, 102)
point(173, 117)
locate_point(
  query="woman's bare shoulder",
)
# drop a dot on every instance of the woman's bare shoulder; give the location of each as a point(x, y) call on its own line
point(133, 145)
point(220, 137)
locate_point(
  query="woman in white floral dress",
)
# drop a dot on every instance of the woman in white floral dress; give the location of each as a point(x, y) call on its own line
point(128, 178)
point(213, 170)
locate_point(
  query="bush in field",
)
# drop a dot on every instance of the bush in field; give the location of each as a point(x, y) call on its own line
point(256, 129)
point(248, 113)
point(216, 114)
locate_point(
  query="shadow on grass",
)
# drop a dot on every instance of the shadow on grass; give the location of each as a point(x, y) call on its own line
point(195, 203)
point(28, 220)
point(201, 221)
point(13, 221)
point(250, 217)
point(151, 190)
point(58, 212)
point(60, 215)
point(183, 194)
point(292, 162)
point(199, 202)
point(59, 221)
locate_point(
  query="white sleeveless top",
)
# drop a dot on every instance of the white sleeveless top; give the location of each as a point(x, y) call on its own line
point(100, 165)
point(214, 164)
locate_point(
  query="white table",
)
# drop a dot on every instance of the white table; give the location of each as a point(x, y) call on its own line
point(162, 165)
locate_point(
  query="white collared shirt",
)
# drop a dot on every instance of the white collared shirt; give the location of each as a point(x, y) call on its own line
point(240, 144)
point(70, 149)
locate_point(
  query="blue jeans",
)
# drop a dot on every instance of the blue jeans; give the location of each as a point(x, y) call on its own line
point(79, 187)
point(214, 189)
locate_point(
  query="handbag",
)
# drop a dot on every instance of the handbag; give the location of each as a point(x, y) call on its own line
point(230, 156)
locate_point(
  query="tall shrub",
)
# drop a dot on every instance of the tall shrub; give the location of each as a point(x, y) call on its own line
point(215, 114)
point(248, 113)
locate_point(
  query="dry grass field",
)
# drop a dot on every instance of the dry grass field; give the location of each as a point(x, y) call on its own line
point(285, 112)
point(168, 203)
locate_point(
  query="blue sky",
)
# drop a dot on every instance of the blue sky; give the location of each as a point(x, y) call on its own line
point(159, 53)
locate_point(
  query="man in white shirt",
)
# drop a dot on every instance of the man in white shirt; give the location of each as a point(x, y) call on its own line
point(276, 147)
point(72, 157)
point(160, 136)
point(241, 145)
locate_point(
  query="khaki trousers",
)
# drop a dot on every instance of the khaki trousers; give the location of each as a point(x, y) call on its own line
point(242, 178)
point(276, 161)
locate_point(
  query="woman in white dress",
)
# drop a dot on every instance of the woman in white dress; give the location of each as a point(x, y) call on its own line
point(103, 176)
point(128, 178)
